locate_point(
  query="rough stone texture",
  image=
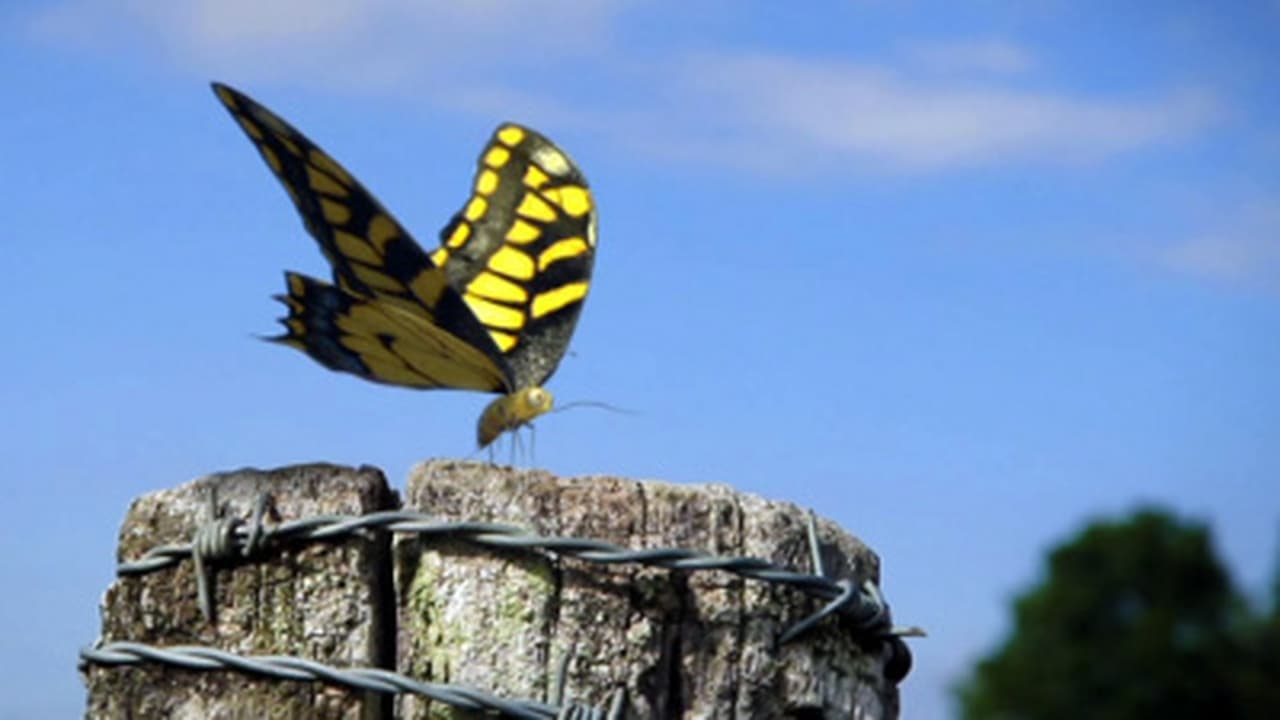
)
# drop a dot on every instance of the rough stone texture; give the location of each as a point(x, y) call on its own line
point(695, 645)
point(329, 602)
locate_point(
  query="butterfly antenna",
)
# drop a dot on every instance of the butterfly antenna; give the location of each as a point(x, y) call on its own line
point(595, 404)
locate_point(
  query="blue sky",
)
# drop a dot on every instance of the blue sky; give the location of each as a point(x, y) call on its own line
point(959, 280)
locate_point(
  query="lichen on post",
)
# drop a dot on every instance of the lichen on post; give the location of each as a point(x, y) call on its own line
point(683, 644)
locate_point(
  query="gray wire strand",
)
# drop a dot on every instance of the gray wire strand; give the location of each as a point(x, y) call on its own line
point(284, 667)
point(863, 605)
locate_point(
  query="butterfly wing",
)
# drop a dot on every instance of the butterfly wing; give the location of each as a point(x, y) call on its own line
point(388, 296)
point(520, 252)
point(374, 339)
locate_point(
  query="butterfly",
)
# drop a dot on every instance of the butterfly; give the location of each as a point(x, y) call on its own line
point(491, 309)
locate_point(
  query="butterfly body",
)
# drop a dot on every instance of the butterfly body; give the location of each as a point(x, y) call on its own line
point(512, 411)
point(491, 309)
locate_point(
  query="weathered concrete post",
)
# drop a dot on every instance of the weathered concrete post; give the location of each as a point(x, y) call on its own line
point(683, 644)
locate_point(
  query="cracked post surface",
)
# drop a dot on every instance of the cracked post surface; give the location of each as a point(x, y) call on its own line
point(330, 602)
point(685, 645)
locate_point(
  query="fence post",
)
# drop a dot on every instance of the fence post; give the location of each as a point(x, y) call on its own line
point(518, 623)
point(696, 645)
point(326, 601)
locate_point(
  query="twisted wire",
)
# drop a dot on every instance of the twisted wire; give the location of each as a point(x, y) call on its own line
point(863, 605)
point(285, 667)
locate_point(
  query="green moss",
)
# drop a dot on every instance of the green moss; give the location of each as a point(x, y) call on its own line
point(438, 643)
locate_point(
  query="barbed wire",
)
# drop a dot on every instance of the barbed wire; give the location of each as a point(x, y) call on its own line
point(862, 603)
point(286, 667)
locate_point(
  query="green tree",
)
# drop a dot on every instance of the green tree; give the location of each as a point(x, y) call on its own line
point(1259, 680)
point(1136, 619)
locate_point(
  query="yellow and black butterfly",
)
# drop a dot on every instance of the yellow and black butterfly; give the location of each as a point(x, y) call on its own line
point(491, 309)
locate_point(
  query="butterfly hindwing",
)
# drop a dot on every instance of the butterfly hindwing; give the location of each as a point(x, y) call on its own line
point(374, 339)
point(522, 248)
point(376, 263)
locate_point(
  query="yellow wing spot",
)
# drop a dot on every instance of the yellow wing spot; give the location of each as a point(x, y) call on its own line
point(272, 159)
point(289, 145)
point(511, 135)
point(567, 248)
point(536, 208)
point(329, 165)
point(296, 327)
point(458, 237)
point(574, 199)
point(534, 177)
point(428, 286)
point(385, 363)
point(296, 285)
point(250, 128)
point(440, 257)
point(504, 341)
point(392, 369)
point(512, 263)
point(365, 319)
point(376, 279)
point(496, 287)
point(553, 300)
point(224, 94)
point(552, 160)
point(323, 182)
point(268, 120)
point(496, 157)
point(354, 247)
point(352, 323)
point(334, 212)
point(522, 232)
point(367, 348)
point(486, 182)
point(494, 315)
point(475, 209)
point(382, 230)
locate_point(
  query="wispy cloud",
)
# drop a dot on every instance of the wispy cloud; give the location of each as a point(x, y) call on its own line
point(942, 106)
point(1243, 248)
point(885, 116)
point(386, 46)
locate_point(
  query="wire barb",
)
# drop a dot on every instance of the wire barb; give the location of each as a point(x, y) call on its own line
point(218, 540)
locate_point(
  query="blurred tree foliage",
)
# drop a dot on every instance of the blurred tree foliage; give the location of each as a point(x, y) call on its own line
point(1136, 619)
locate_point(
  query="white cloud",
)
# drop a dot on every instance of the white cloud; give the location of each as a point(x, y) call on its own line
point(388, 46)
point(1244, 248)
point(881, 115)
point(555, 61)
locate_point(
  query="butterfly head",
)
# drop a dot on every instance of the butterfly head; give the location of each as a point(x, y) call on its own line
point(511, 411)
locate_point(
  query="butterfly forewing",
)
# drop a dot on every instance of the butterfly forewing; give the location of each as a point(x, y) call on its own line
point(389, 297)
point(522, 248)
